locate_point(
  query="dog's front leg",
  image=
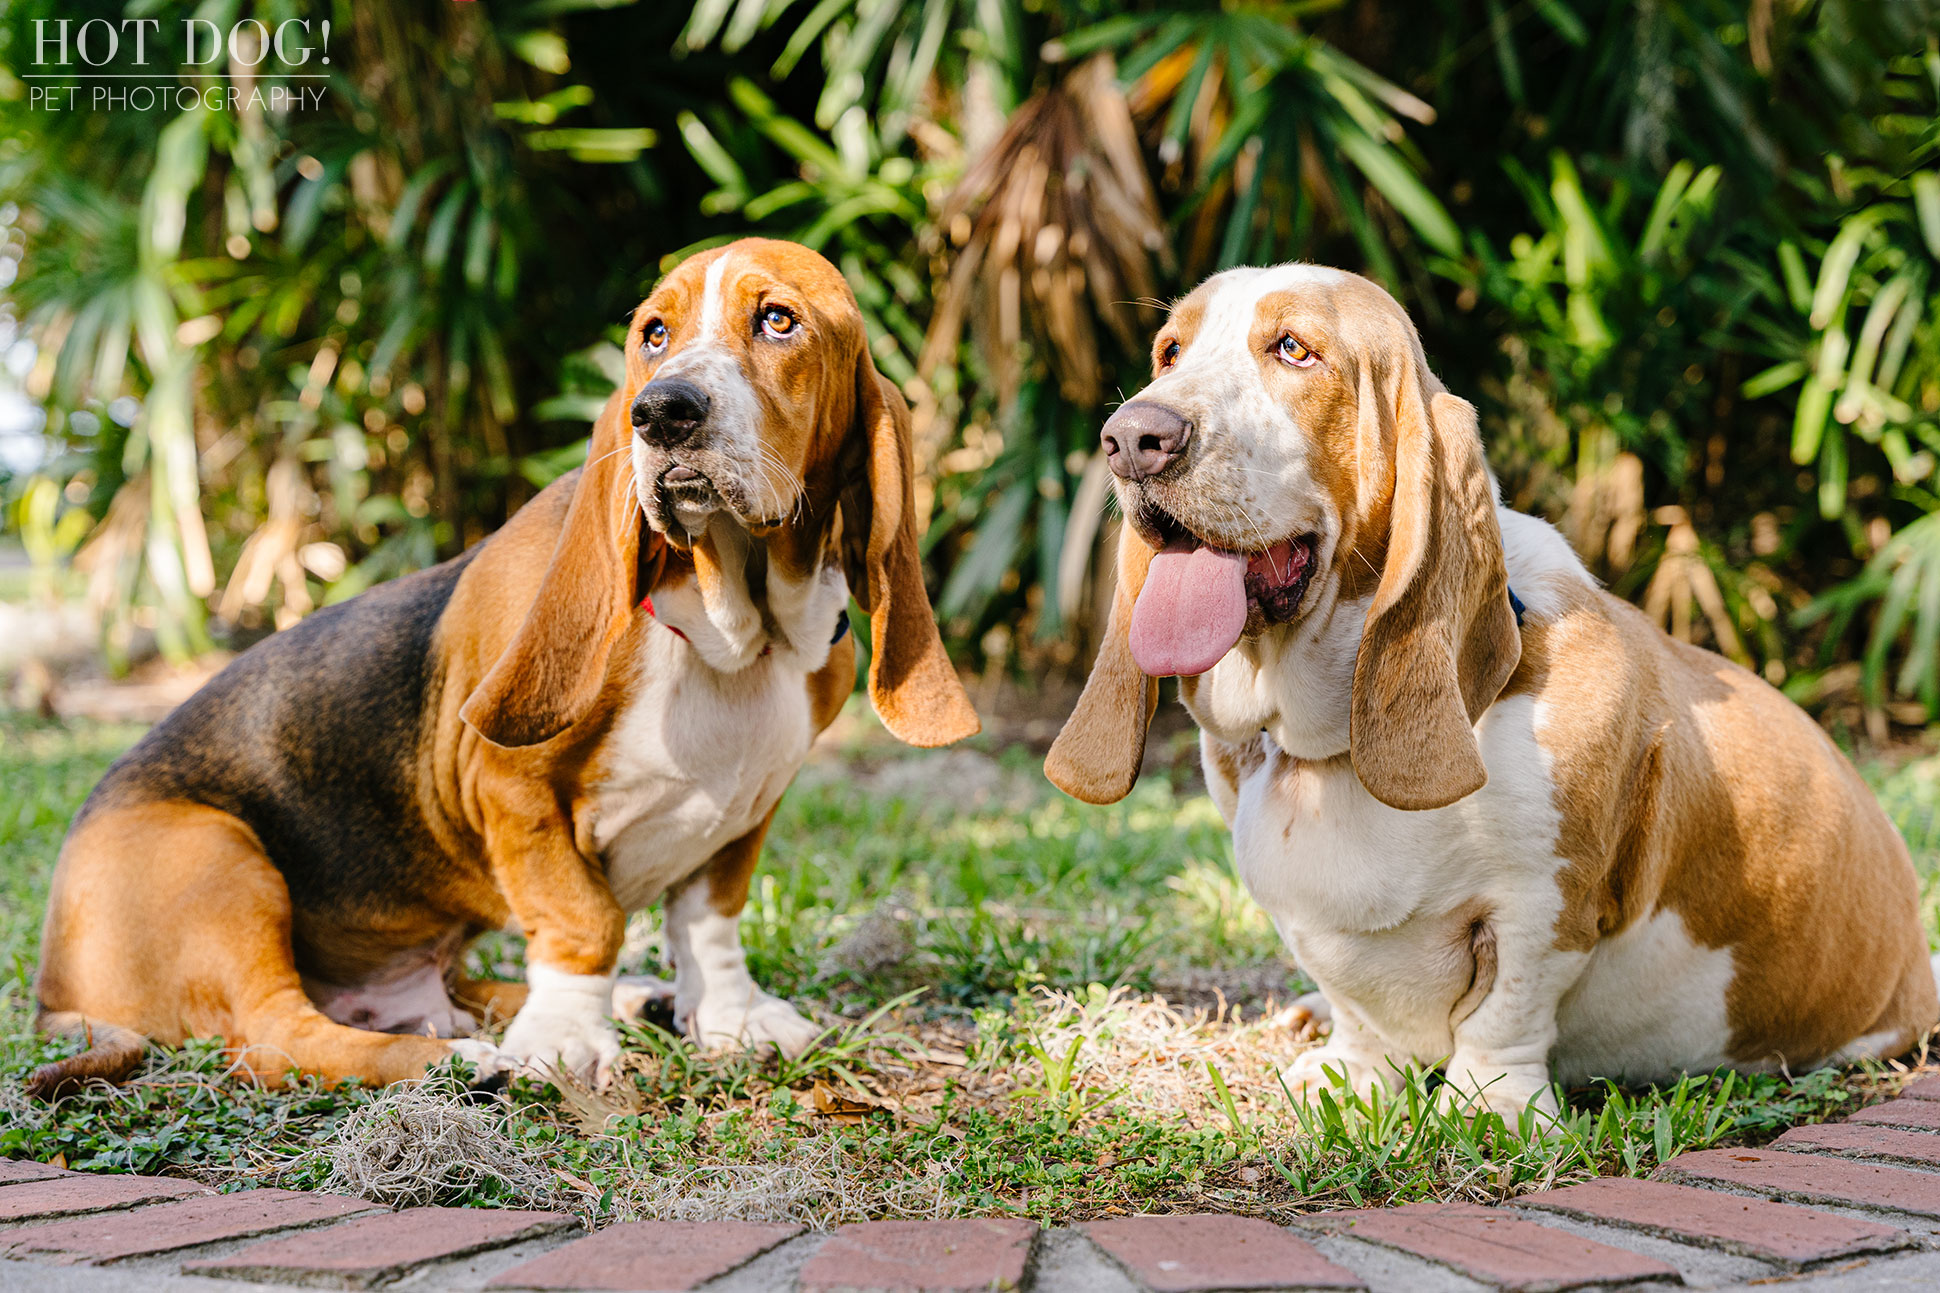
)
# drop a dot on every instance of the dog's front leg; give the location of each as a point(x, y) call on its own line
point(716, 1001)
point(1353, 1054)
point(574, 928)
point(1505, 1025)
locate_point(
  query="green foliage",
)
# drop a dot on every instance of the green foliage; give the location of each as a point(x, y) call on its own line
point(1606, 301)
point(1683, 257)
point(1353, 1150)
point(48, 771)
point(996, 889)
point(194, 1115)
point(1292, 101)
point(288, 353)
point(1866, 332)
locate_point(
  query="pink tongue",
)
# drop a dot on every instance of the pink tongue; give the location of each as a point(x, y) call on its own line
point(1191, 610)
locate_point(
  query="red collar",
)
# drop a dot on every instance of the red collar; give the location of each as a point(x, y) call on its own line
point(646, 604)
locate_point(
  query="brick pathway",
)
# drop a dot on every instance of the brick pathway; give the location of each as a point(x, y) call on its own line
point(1852, 1207)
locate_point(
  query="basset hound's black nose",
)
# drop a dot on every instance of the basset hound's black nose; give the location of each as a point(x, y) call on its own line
point(1143, 439)
point(669, 411)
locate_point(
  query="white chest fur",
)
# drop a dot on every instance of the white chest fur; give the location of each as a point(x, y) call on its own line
point(1375, 903)
point(701, 755)
point(1379, 905)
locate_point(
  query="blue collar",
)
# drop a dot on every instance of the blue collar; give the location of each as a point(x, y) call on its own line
point(1515, 604)
point(842, 622)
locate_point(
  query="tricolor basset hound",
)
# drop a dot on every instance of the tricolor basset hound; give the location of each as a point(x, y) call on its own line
point(594, 709)
point(1505, 823)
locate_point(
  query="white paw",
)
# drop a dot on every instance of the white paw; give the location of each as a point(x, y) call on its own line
point(1507, 1092)
point(1316, 1005)
point(545, 1047)
point(487, 1060)
point(1323, 1068)
point(562, 1028)
point(1311, 1010)
point(757, 1022)
point(633, 994)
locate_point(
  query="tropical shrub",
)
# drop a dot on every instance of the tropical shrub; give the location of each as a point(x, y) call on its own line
point(1682, 255)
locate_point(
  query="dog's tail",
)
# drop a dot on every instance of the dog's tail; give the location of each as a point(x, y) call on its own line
point(111, 1054)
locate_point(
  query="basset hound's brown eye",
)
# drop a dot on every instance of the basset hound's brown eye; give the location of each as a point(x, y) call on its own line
point(655, 337)
point(1169, 355)
point(777, 322)
point(1293, 351)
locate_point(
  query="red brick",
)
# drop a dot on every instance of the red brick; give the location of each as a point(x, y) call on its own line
point(166, 1227)
point(79, 1192)
point(1918, 1147)
point(668, 1256)
point(936, 1256)
point(1497, 1247)
point(1926, 1088)
point(1186, 1254)
point(1810, 1178)
point(1921, 1114)
point(18, 1171)
point(1776, 1232)
point(372, 1250)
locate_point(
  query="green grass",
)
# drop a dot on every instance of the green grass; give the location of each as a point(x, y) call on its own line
point(988, 956)
point(45, 773)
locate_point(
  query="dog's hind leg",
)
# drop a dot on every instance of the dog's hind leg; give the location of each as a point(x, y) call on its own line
point(284, 1031)
point(279, 1028)
point(167, 920)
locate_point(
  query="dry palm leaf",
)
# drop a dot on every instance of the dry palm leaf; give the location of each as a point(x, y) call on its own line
point(111, 557)
point(1684, 580)
point(1605, 513)
point(1056, 229)
point(271, 554)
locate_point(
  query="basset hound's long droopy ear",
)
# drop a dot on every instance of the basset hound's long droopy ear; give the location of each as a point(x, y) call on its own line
point(552, 671)
point(1096, 757)
point(912, 684)
point(1440, 639)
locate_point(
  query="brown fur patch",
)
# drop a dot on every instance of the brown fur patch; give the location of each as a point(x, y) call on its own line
point(1687, 785)
point(1233, 764)
point(1440, 640)
point(220, 965)
point(1475, 942)
point(1097, 753)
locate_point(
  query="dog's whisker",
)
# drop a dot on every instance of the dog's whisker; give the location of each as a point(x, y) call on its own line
point(771, 465)
point(614, 453)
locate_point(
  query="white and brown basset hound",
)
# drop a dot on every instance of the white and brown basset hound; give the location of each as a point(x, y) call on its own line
point(1505, 823)
point(594, 709)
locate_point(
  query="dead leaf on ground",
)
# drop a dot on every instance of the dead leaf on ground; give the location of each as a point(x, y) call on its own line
point(850, 1106)
point(579, 1183)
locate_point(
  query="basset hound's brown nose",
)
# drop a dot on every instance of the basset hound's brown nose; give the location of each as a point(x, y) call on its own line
point(1143, 439)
